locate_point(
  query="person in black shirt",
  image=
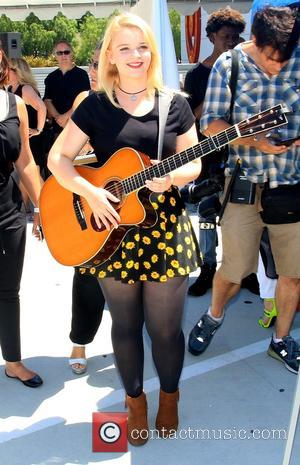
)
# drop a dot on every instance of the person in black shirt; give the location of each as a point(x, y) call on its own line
point(14, 154)
point(223, 29)
point(63, 85)
point(87, 297)
point(23, 84)
point(145, 279)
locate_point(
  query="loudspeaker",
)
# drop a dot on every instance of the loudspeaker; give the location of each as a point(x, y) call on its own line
point(10, 42)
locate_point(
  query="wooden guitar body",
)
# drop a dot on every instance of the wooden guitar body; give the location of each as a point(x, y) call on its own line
point(73, 240)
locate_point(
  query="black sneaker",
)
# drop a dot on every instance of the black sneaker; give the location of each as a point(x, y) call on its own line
point(204, 281)
point(201, 334)
point(286, 351)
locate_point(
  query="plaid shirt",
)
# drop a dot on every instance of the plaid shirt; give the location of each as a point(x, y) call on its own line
point(256, 92)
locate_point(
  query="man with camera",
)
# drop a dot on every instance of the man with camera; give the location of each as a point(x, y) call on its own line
point(223, 29)
point(269, 74)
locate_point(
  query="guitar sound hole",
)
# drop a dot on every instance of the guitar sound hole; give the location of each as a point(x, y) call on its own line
point(115, 187)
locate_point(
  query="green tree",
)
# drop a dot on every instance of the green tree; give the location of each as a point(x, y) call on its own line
point(91, 31)
point(6, 25)
point(32, 19)
point(37, 41)
point(65, 28)
point(176, 30)
point(19, 26)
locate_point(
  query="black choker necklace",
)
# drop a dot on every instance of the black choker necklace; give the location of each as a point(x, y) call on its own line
point(133, 95)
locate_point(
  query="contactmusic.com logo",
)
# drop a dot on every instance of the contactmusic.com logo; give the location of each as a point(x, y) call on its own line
point(110, 432)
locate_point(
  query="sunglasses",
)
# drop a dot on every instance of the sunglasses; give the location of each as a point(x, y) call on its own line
point(59, 53)
point(94, 65)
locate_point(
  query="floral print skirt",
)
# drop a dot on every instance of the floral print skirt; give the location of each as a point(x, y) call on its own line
point(167, 249)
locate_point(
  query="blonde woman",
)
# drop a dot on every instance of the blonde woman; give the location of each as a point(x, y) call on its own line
point(23, 84)
point(145, 280)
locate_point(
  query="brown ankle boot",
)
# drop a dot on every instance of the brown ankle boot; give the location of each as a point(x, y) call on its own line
point(137, 424)
point(167, 416)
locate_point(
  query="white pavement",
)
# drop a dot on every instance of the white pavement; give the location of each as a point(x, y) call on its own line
point(237, 397)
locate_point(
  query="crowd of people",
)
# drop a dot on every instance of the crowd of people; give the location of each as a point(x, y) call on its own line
point(145, 280)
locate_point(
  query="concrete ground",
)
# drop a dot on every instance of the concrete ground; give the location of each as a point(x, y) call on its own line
point(235, 400)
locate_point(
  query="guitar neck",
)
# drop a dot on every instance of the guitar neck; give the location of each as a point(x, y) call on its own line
point(177, 160)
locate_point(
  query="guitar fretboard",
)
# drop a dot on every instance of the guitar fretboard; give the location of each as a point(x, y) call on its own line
point(177, 160)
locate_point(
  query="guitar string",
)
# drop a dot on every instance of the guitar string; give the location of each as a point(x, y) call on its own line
point(175, 159)
point(133, 182)
point(183, 157)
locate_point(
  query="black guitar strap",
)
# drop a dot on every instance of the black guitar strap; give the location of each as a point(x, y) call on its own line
point(232, 85)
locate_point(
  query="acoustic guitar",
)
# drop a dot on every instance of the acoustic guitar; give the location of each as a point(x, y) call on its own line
point(67, 220)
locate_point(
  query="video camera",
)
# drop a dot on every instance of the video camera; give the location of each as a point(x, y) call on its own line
point(193, 193)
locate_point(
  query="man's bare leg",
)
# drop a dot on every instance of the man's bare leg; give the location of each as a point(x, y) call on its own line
point(223, 290)
point(287, 299)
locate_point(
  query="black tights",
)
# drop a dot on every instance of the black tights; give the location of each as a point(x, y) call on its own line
point(160, 306)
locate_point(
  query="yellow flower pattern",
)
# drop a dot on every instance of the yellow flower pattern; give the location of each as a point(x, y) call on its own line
point(130, 245)
point(170, 251)
point(170, 273)
point(146, 240)
point(117, 265)
point(156, 234)
point(154, 275)
point(140, 252)
point(159, 253)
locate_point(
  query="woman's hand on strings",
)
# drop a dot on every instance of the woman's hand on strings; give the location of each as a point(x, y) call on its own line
point(160, 184)
point(104, 213)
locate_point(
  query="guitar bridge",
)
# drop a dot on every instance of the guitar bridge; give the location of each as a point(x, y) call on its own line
point(79, 211)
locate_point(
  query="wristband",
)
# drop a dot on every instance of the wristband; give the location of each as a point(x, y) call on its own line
point(36, 210)
point(38, 130)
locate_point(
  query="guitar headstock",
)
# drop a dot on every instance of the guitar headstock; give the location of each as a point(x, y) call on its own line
point(264, 121)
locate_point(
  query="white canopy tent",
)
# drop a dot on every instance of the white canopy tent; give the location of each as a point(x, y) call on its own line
point(155, 13)
point(47, 9)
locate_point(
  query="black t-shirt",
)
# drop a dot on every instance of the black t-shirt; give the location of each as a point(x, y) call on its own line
point(110, 128)
point(32, 113)
point(10, 196)
point(195, 84)
point(62, 89)
point(36, 142)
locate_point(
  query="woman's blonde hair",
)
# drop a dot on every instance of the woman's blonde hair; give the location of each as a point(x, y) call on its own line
point(108, 77)
point(23, 72)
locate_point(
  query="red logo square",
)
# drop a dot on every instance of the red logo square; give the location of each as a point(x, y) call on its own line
point(109, 432)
